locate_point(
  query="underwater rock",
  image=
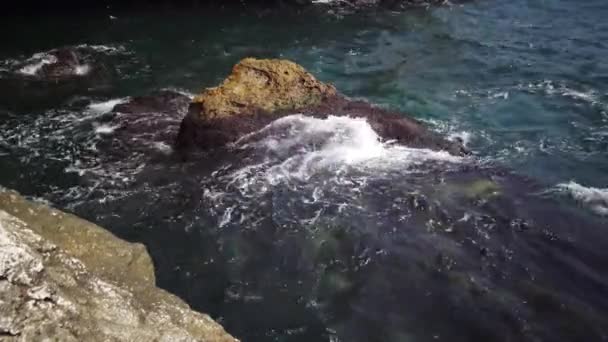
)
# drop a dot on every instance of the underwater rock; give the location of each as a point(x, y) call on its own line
point(143, 123)
point(166, 101)
point(63, 64)
point(66, 279)
point(260, 91)
point(48, 78)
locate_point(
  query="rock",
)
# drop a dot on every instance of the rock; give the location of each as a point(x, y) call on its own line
point(66, 279)
point(260, 91)
point(143, 124)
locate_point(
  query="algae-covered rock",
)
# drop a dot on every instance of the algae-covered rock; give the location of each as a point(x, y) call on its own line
point(65, 279)
point(263, 84)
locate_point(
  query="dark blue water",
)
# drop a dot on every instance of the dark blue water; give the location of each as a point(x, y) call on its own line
point(356, 240)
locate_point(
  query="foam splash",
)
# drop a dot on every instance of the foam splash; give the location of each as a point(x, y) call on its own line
point(552, 88)
point(181, 91)
point(307, 144)
point(323, 164)
point(82, 70)
point(107, 49)
point(105, 129)
point(464, 137)
point(105, 106)
point(595, 199)
point(298, 148)
point(36, 62)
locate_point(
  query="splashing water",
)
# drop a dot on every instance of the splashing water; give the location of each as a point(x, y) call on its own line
point(593, 198)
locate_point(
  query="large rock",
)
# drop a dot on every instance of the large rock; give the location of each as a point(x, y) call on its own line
point(66, 279)
point(268, 85)
point(260, 91)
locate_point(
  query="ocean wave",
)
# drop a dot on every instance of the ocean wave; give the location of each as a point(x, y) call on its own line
point(31, 66)
point(308, 144)
point(107, 49)
point(105, 106)
point(35, 63)
point(325, 163)
point(595, 199)
point(180, 91)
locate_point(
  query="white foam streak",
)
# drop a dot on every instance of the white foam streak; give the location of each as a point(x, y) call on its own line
point(105, 106)
point(36, 62)
point(299, 147)
point(595, 199)
point(107, 49)
point(82, 70)
point(105, 129)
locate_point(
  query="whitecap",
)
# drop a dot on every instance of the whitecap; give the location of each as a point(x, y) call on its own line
point(105, 106)
point(36, 62)
point(462, 136)
point(298, 147)
point(82, 70)
point(107, 49)
point(595, 199)
point(105, 129)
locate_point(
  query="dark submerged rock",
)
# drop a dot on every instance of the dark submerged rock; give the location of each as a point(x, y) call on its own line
point(145, 122)
point(46, 79)
point(64, 64)
point(167, 101)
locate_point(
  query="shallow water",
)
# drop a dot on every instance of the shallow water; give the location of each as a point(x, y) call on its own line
point(316, 229)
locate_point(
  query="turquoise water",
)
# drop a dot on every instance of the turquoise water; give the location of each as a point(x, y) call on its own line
point(523, 83)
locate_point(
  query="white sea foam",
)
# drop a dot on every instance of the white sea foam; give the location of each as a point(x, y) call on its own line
point(299, 147)
point(82, 70)
point(552, 88)
point(107, 49)
point(595, 199)
point(105, 106)
point(105, 129)
point(463, 136)
point(36, 62)
point(162, 147)
point(324, 164)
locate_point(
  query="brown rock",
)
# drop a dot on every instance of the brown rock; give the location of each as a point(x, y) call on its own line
point(269, 85)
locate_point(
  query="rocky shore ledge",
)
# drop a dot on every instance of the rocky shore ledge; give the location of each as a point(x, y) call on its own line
point(65, 279)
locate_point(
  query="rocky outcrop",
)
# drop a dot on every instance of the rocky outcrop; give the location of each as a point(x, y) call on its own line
point(46, 79)
point(66, 279)
point(64, 64)
point(260, 91)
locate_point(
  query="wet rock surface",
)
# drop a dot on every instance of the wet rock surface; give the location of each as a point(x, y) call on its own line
point(66, 279)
